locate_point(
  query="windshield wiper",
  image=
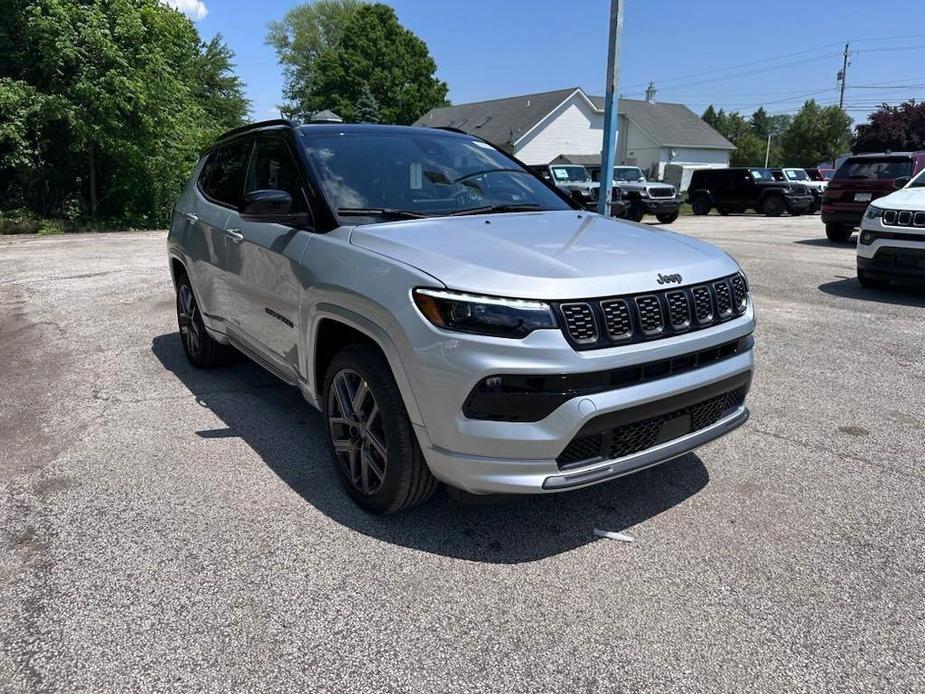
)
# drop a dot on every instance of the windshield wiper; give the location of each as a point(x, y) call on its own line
point(488, 209)
point(385, 212)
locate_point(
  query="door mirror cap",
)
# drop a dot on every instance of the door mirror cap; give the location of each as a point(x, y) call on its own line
point(901, 182)
point(267, 206)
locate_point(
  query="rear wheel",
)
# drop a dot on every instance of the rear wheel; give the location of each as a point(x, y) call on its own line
point(871, 282)
point(838, 232)
point(375, 449)
point(701, 205)
point(773, 206)
point(667, 218)
point(723, 211)
point(202, 351)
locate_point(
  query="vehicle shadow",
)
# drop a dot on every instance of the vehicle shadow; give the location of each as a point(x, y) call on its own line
point(288, 434)
point(898, 294)
point(828, 244)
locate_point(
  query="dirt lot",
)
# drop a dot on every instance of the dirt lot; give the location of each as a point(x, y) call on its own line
point(169, 529)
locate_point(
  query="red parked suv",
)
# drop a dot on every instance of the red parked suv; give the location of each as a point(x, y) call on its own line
point(859, 180)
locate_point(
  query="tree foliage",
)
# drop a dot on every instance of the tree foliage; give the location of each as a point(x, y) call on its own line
point(892, 128)
point(104, 106)
point(333, 50)
point(814, 135)
point(367, 108)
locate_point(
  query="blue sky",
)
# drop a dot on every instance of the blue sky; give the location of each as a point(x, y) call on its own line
point(486, 49)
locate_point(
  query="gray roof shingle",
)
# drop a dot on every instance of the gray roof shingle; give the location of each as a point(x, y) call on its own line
point(503, 121)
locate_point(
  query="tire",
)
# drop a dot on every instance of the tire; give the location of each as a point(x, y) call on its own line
point(201, 350)
point(635, 213)
point(796, 213)
point(376, 452)
point(838, 232)
point(667, 218)
point(723, 211)
point(773, 206)
point(869, 282)
point(701, 205)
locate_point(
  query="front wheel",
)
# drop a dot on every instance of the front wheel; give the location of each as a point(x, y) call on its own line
point(773, 206)
point(667, 218)
point(838, 232)
point(635, 213)
point(377, 455)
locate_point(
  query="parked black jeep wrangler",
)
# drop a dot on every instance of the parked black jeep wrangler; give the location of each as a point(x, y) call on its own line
point(746, 188)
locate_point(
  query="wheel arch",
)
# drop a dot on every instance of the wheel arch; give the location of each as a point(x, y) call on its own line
point(335, 328)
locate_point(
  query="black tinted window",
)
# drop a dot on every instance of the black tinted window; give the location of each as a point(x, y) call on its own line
point(273, 168)
point(222, 177)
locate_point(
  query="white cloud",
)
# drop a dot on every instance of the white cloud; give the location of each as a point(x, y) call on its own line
point(194, 9)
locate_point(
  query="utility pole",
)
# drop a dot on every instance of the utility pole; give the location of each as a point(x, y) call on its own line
point(609, 151)
point(767, 152)
point(842, 76)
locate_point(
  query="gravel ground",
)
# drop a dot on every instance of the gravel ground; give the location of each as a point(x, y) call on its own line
point(169, 529)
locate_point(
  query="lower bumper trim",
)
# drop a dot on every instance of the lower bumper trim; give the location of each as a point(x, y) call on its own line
point(651, 457)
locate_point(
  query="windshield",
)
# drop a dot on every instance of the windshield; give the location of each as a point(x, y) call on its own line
point(875, 168)
point(814, 175)
point(375, 174)
point(762, 174)
point(628, 173)
point(570, 174)
point(827, 174)
point(796, 175)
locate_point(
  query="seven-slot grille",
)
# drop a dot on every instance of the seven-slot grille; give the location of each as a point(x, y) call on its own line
point(596, 323)
point(661, 192)
point(903, 218)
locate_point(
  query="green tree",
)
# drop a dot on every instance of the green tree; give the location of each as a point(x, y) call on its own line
point(106, 104)
point(374, 50)
point(816, 134)
point(760, 123)
point(303, 35)
point(367, 108)
point(749, 151)
point(709, 116)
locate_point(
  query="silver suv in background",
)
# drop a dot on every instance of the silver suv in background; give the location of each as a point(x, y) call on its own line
point(455, 318)
point(643, 197)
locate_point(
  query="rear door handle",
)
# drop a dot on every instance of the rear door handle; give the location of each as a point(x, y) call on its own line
point(234, 235)
point(191, 218)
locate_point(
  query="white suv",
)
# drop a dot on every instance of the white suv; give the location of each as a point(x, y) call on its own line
point(891, 244)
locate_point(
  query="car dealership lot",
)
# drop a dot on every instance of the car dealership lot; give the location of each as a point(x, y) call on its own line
point(166, 528)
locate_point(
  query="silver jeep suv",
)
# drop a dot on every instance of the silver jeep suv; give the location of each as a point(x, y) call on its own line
point(456, 318)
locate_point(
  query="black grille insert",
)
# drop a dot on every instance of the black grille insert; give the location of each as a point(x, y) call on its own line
point(617, 319)
point(636, 436)
point(679, 310)
point(579, 321)
point(650, 314)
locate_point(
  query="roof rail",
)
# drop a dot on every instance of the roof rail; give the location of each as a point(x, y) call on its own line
point(258, 125)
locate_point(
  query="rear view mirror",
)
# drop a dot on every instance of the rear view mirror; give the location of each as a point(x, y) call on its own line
point(900, 182)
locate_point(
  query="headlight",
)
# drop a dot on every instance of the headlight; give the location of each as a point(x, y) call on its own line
point(644, 193)
point(873, 212)
point(483, 315)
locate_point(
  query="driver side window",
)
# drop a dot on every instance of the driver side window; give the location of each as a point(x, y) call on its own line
point(272, 167)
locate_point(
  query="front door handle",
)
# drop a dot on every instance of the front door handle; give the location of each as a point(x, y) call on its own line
point(234, 235)
point(191, 218)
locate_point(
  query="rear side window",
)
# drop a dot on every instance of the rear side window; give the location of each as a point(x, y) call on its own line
point(273, 168)
point(222, 178)
point(875, 168)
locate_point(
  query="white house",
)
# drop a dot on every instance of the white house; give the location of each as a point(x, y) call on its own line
point(568, 125)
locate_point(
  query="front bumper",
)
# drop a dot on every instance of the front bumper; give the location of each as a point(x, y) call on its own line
point(895, 252)
point(484, 456)
point(842, 214)
point(799, 203)
point(659, 205)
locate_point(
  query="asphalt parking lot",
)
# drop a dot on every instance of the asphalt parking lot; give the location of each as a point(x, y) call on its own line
point(164, 528)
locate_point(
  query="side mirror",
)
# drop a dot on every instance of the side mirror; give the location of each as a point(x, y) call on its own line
point(267, 206)
point(900, 182)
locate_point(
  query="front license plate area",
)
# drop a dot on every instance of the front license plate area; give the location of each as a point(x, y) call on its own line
point(862, 197)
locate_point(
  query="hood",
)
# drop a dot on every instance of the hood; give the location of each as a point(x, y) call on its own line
point(544, 255)
point(905, 199)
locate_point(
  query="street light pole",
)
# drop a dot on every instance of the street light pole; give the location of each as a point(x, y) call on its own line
point(609, 151)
